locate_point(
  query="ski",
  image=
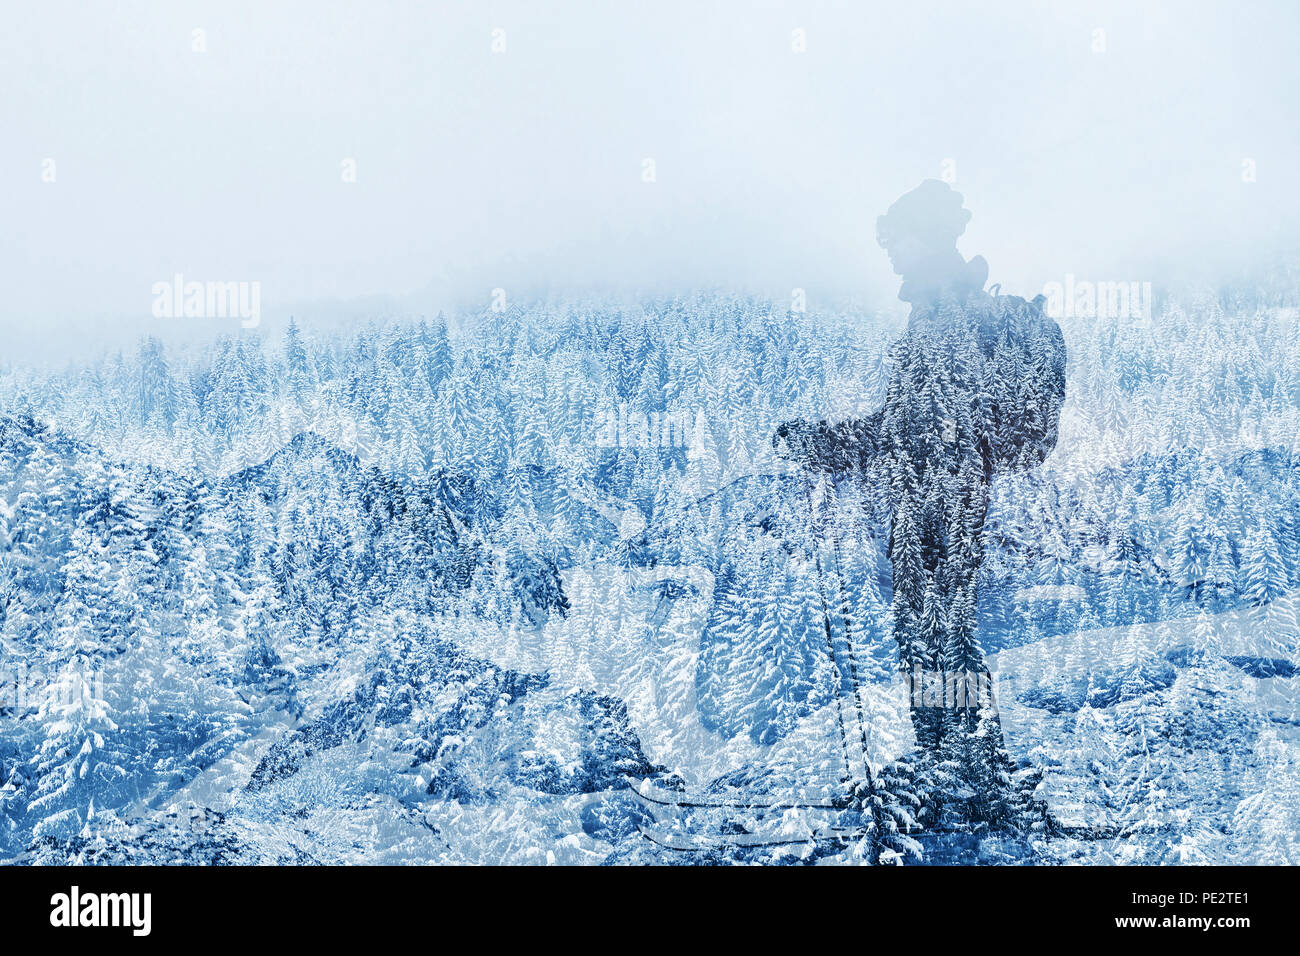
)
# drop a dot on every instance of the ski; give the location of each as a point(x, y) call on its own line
point(705, 843)
point(648, 792)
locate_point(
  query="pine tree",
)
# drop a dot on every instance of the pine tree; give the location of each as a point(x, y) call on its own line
point(1263, 572)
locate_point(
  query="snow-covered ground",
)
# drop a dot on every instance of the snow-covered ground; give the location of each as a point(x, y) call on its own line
point(1117, 718)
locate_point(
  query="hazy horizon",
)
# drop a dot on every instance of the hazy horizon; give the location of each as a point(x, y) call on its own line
point(1115, 156)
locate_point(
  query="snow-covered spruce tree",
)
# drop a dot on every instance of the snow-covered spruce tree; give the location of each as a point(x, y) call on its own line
point(1264, 575)
point(81, 757)
point(1266, 823)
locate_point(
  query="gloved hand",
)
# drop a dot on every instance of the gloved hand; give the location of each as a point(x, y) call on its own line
point(796, 440)
point(848, 447)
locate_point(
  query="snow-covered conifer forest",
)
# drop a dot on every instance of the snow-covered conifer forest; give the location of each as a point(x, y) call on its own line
point(453, 591)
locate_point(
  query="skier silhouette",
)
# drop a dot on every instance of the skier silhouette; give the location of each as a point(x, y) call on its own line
point(976, 389)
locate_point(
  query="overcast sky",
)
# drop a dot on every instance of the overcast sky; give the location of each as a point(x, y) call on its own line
point(524, 169)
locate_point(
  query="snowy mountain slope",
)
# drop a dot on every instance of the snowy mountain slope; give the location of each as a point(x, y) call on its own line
point(636, 635)
point(1162, 730)
point(236, 609)
point(447, 631)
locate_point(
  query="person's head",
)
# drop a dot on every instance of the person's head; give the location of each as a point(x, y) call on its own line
point(919, 232)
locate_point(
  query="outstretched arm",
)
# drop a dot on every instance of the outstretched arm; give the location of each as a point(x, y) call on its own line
point(849, 446)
